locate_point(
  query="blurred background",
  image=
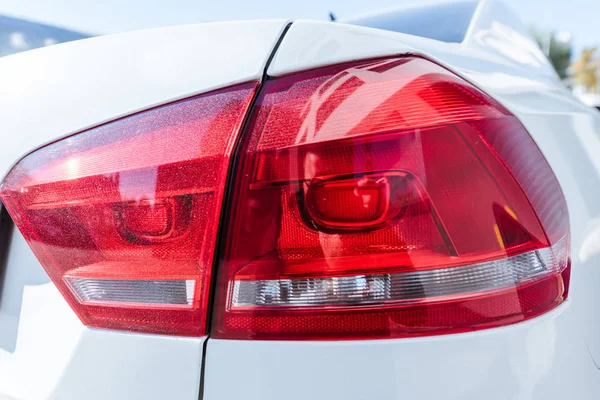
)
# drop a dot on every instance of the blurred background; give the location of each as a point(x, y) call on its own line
point(568, 32)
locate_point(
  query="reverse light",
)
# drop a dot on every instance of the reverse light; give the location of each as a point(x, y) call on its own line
point(123, 217)
point(387, 198)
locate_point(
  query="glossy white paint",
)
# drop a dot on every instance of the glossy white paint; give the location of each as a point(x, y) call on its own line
point(311, 44)
point(55, 91)
point(45, 351)
point(495, 30)
point(525, 361)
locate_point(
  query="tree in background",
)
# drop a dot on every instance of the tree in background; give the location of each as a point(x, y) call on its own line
point(585, 69)
point(557, 48)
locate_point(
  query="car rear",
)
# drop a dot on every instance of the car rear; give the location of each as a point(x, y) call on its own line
point(320, 211)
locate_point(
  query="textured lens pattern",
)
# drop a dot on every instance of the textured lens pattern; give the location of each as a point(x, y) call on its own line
point(466, 235)
point(122, 215)
point(176, 292)
point(397, 287)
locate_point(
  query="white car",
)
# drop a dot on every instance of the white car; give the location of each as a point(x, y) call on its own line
point(299, 210)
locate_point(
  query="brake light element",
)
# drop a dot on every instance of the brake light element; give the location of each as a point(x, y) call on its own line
point(123, 217)
point(387, 198)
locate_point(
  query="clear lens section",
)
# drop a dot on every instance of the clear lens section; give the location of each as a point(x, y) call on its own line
point(430, 285)
point(176, 292)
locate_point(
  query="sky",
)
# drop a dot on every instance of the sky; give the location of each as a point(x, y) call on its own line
point(581, 18)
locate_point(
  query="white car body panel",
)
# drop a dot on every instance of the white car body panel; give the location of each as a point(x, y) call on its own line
point(46, 94)
point(45, 352)
point(40, 89)
point(540, 359)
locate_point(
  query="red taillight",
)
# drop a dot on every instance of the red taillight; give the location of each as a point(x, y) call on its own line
point(385, 199)
point(375, 199)
point(123, 217)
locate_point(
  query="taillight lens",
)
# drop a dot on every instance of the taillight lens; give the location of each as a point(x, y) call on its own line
point(123, 217)
point(387, 198)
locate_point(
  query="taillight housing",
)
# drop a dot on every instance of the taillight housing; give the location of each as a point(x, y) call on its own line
point(380, 198)
point(124, 216)
point(387, 198)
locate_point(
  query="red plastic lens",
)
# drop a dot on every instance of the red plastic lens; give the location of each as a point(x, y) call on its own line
point(123, 217)
point(355, 203)
point(146, 219)
point(388, 198)
point(383, 198)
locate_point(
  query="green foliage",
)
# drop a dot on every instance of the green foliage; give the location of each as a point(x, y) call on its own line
point(558, 52)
